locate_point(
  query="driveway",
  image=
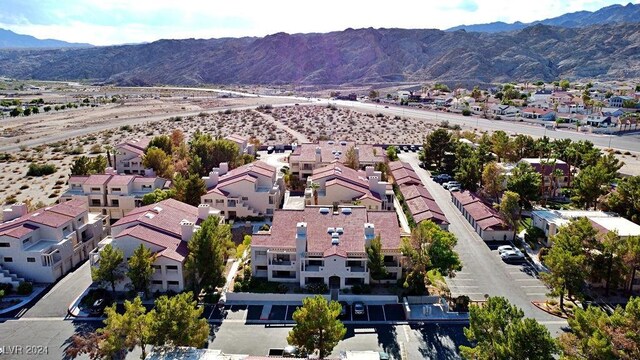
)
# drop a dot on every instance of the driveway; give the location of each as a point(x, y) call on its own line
point(483, 271)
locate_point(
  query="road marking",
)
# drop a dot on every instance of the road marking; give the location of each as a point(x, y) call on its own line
point(465, 286)
point(456, 279)
point(536, 294)
point(557, 322)
point(526, 280)
point(533, 286)
point(406, 333)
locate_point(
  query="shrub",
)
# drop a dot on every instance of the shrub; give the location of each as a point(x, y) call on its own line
point(25, 288)
point(265, 227)
point(319, 288)
point(466, 112)
point(361, 289)
point(552, 302)
point(41, 169)
point(7, 288)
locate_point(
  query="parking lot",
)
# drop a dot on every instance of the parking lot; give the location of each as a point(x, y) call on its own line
point(283, 313)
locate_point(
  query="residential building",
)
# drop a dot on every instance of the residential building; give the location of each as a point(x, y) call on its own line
point(550, 221)
point(547, 168)
point(484, 219)
point(618, 101)
point(422, 206)
point(251, 190)
point(340, 185)
point(598, 120)
point(402, 173)
point(165, 228)
point(611, 111)
point(111, 194)
point(538, 114)
point(318, 245)
point(244, 147)
point(419, 201)
point(308, 157)
point(128, 156)
point(504, 110)
point(44, 245)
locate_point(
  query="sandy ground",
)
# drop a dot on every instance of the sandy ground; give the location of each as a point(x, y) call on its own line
point(143, 112)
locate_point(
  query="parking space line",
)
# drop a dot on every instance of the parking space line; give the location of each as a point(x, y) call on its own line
point(465, 286)
point(526, 280)
point(384, 314)
point(367, 312)
point(533, 286)
point(536, 294)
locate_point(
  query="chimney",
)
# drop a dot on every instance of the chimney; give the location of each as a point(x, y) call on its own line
point(149, 173)
point(224, 168)
point(14, 211)
point(369, 233)
point(212, 180)
point(203, 211)
point(318, 154)
point(369, 170)
point(357, 150)
point(186, 229)
point(301, 238)
point(110, 171)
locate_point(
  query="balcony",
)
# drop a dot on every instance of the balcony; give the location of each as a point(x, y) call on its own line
point(358, 269)
point(280, 262)
point(391, 264)
point(313, 268)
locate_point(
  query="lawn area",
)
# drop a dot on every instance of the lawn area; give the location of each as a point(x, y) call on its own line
point(525, 223)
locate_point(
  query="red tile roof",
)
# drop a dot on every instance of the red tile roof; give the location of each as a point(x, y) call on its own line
point(98, 179)
point(413, 191)
point(547, 169)
point(72, 208)
point(54, 216)
point(247, 172)
point(165, 215)
point(307, 152)
point(18, 231)
point(403, 173)
point(120, 180)
point(484, 215)
point(174, 247)
point(283, 230)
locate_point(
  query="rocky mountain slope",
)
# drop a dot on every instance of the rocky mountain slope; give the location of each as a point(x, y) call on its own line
point(11, 40)
point(613, 14)
point(350, 56)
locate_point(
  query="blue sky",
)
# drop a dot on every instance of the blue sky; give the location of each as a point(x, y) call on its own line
point(105, 22)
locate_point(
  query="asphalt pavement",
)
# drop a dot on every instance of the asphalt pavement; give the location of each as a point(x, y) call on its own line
point(483, 270)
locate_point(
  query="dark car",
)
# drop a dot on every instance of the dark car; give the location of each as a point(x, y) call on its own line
point(358, 308)
point(344, 307)
point(98, 306)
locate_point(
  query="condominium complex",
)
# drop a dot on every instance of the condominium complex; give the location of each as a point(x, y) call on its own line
point(319, 245)
point(45, 244)
point(128, 156)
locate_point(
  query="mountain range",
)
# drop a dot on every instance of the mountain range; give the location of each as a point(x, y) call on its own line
point(607, 15)
point(352, 56)
point(11, 40)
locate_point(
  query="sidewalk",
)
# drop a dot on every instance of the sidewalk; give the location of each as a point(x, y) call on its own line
point(533, 254)
point(37, 290)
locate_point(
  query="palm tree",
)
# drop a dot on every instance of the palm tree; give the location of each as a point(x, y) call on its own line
point(556, 175)
point(108, 148)
point(314, 186)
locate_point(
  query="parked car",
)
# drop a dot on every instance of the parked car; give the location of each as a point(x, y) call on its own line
point(270, 150)
point(287, 352)
point(505, 248)
point(358, 308)
point(454, 188)
point(345, 306)
point(449, 184)
point(442, 178)
point(98, 306)
point(513, 255)
point(412, 148)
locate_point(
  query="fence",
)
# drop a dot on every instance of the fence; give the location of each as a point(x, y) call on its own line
point(297, 298)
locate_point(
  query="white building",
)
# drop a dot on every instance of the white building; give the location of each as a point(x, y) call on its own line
point(484, 219)
point(317, 245)
point(254, 190)
point(165, 228)
point(244, 147)
point(308, 157)
point(44, 245)
point(128, 156)
point(113, 195)
point(340, 185)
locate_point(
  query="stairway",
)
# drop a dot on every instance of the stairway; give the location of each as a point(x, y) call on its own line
point(253, 212)
point(7, 277)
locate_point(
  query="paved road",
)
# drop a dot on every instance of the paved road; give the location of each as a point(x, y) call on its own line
point(483, 271)
point(626, 142)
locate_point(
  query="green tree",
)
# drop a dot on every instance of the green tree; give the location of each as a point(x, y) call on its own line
point(194, 188)
point(525, 182)
point(314, 188)
point(392, 153)
point(178, 321)
point(126, 331)
point(493, 180)
point(317, 326)
point(468, 167)
point(589, 185)
point(499, 331)
point(429, 247)
point(566, 260)
point(588, 338)
point(375, 259)
point(501, 145)
point(81, 166)
point(630, 253)
point(510, 210)
point(162, 142)
point(109, 269)
point(195, 166)
point(204, 266)
point(565, 84)
point(628, 104)
point(373, 94)
point(98, 165)
point(157, 195)
point(351, 159)
point(625, 200)
point(523, 146)
point(141, 269)
point(159, 161)
point(436, 144)
point(26, 112)
point(213, 152)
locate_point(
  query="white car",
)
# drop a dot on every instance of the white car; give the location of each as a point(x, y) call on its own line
point(505, 248)
point(451, 184)
point(454, 188)
point(512, 255)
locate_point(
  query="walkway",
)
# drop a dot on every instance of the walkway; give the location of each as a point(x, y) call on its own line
point(300, 137)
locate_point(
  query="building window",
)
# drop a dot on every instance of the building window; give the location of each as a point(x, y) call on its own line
point(8, 259)
point(156, 282)
point(173, 283)
point(270, 211)
point(25, 240)
point(80, 220)
point(115, 202)
point(31, 259)
point(4, 245)
point(208, 201)
point(261, 267)
point(115, 189)
point(172, 267)
point(156, 267)
point(244, 198)
point(261, 252)
point(65, 229)
point(95, 189)
point(146, 187)
point(95, 202)
point(219, 201)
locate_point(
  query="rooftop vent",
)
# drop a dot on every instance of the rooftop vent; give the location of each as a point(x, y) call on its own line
point(330, 142)
point(331, 230)
point(346, 211)
point(324, 210)
point(335, 241)
point(343, 143)
point(149, 215)
point(157, 208)
point(340, 230)
point(35, 214)
point(335, 235)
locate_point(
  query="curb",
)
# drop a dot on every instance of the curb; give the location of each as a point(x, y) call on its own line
point(24, 302)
